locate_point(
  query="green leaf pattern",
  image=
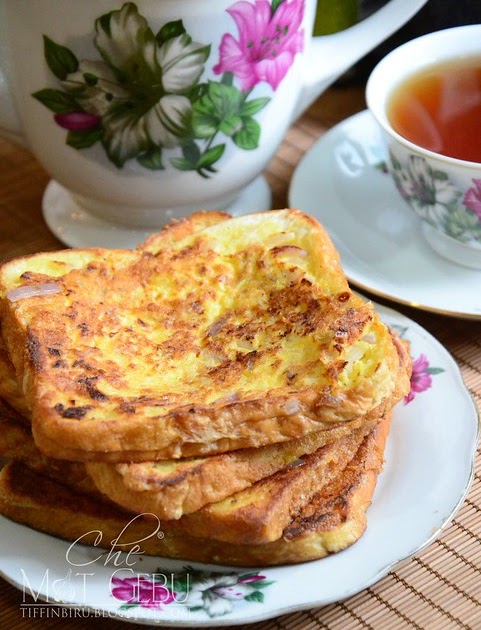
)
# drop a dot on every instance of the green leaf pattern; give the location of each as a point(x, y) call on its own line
point(60, 60)
point(435, 198)
point(147, 97)
point(57, 101)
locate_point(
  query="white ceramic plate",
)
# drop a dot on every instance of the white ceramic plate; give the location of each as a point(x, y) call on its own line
point(343, 183)
point(429, 466)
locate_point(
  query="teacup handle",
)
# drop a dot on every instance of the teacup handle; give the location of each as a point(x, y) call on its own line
point(343, 49)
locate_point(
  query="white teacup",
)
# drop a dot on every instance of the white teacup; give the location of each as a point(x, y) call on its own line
point(445, 192)
point(147, 110)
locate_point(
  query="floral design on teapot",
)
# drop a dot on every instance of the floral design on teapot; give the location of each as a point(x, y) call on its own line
point(146, 97)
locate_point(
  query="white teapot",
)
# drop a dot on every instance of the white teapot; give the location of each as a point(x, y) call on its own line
point(147, 110)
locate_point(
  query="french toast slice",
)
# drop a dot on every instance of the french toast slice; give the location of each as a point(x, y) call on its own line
point(257, 514)
point(9, 389)
point(169, 488)
point(335, 518)
point(261, 512)
point(16, 443)
point(241, 334)
point(178, 229)
point(172, 488)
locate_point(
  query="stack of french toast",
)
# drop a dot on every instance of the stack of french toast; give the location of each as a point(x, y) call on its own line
point(221, 385)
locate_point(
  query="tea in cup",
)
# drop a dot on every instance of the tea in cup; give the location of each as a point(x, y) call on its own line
point(426, 96)
point(147, 110)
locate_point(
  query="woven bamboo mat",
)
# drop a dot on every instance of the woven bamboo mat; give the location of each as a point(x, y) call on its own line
point(440, 588)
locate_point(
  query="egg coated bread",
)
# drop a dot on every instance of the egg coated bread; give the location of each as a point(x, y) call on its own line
point(241, 334)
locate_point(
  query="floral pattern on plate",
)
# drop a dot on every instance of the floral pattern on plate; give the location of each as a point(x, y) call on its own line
point(421, 377)
point(212, 592)
point(146, 94)
point(437, 200)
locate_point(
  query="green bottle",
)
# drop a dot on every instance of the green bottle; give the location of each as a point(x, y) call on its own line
point(335, 15)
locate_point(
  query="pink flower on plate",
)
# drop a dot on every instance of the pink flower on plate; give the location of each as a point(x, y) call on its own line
point(472, 198)
point(139, 590)
point(268, 42)
point(421, 377)
point(250, 579)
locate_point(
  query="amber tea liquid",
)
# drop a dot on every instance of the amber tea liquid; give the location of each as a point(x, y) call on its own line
point(440, 109)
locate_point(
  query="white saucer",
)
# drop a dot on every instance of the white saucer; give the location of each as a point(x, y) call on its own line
point(77, 228)
point(341, 181)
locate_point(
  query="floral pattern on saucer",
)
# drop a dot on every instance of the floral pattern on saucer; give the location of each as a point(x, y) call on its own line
point(437, 200)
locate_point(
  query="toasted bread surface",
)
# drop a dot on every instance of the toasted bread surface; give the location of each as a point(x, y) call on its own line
point(254, 515)
point(16, 443)
point(241, 334)
point(181, 228)
point(9, 389)
point(261, 512)
point(334, 431)
point(335, 519)
point(169, 488)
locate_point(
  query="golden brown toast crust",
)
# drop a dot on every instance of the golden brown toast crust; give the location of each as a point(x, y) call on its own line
point(192, 483)
point(327, 526)
point(186, 487)
point(260, 513)
point(178, 229)
point(267, 505)
point(202, 344)
point(16, 443)
point(9, 389)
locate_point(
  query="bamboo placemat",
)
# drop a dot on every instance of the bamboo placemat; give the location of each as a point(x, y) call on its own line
point(439, 589)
